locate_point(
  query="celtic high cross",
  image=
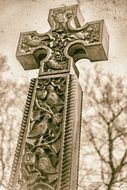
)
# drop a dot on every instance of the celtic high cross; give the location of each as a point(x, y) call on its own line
point(47, 152)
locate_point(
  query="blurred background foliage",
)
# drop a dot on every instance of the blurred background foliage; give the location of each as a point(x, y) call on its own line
point(103, 154)
point(12, 100)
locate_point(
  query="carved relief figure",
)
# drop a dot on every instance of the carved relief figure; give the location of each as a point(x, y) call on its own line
point(53, 64)
point(40, 163)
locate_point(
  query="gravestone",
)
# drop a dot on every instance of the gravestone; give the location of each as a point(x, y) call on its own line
point(47, 152)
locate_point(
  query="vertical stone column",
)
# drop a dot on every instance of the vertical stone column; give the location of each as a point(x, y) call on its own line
point(47, 151)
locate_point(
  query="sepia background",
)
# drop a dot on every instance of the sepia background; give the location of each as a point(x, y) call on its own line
point(19, 16)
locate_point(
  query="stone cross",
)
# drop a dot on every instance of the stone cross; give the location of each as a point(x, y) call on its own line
point(47, 152)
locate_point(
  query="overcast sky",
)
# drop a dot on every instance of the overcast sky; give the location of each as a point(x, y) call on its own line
point(27, 15)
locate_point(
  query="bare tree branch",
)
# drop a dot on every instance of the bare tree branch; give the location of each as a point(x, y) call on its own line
point(105, 131)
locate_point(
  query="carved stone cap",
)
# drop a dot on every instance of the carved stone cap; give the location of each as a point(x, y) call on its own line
point(64, 15)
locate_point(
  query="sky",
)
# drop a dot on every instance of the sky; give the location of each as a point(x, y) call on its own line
point(20, 16)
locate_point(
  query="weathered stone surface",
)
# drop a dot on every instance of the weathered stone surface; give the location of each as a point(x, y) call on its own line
point(47, 152)
point(62, 41)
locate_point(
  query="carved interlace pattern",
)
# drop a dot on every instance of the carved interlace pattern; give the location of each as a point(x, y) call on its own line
point(41, 159)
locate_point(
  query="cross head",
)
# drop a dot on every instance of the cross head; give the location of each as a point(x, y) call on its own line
point(63, 42)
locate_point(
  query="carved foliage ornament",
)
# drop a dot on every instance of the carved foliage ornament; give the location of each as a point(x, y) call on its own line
point(42, 155)
point(59, 18)
point(57, 39)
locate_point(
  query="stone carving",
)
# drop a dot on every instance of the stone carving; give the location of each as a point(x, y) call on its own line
point(47, 153)
point(89, 34)
point(31, 40)
point(52, 64)
point(61, 17)
point(57, 41)
point(73, 105)
point(15, 169)
point(41, 158)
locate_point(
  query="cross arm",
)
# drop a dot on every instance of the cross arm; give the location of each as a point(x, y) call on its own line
point(91, 42)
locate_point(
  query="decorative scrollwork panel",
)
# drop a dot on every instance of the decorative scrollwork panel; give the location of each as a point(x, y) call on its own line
point(42, 155)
